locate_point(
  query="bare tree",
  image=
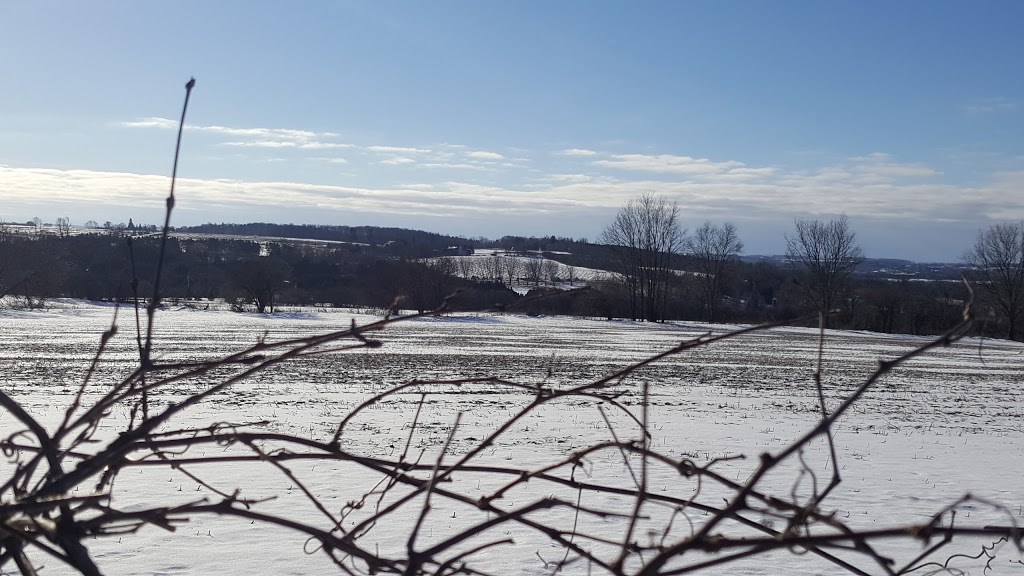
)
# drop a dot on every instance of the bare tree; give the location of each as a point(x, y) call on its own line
point(494, 270)
point(534, 269)
point(261, 279)
point(644, 239)
point(445, 271)
point(570, 273)
point(997, 265)
point(63, 227)
point(824, 254)
point(551, 271)
point(511, 266)
point(445, 265)
point(427, 285)
point(714, 248)
point(467, 266)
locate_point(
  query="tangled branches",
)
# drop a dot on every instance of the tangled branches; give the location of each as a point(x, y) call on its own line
point(74, 483)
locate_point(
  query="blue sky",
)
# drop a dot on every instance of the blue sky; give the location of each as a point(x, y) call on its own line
point(533, 118)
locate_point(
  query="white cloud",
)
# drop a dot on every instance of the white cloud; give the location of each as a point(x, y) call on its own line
point(879, 167)
point(483, 155)
point(250, 137)
point(261, 133)
point(329, 160)
point(397, 150)
point(165, 123)
point(286, 144)
point(754, 196)
point(874, 187)
point(578, 152)
point(872, 157)
point(397, 161)
point(571, 178)
point(262, 144)
point(455, 166)
point(749, 173)
point(903, 171)
point(667, 163)
point(324, 145)
point(101, 192)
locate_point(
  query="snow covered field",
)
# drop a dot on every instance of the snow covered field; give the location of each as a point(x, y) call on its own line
point(944, 425)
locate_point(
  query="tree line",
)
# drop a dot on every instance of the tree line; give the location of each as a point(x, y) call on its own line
point(659, 272)
point(250, 275)
point(666, 273)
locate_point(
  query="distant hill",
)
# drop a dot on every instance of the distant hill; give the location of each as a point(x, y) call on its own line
point(413, 243)
point(888, 268)
point(368, 235)
point(576, 252)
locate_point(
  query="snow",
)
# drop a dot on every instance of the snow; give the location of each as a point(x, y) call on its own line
point(937, 428)
point(482, 258)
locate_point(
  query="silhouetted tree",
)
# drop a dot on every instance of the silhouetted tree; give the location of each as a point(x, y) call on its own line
point(534, 270)
point(466, 266)
point(261, 279)
point(551, 271)
point(511, 266)
point(824, 256)
point(713, 248)
point(570, 274)
point(644, 239)
point(494, 270)
point(63, 227)
point(426, 286)
point(997, 265)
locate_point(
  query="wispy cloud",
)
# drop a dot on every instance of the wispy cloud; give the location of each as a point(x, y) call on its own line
point(572, 178)
point(992, 105)
point(881, 167)
point(483, 155)
point(164, 123)
point(749, 173)
point(578, 152)
point(667, 164)
point(287, 144)
point(324, 146)
point(441, 156)
point(397, 150)
point(251, 137)
point(456, 166)
point(397, 161)
point(262, 144)
point(329, 160)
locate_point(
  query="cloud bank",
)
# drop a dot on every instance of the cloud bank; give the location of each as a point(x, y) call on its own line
point(574, 188)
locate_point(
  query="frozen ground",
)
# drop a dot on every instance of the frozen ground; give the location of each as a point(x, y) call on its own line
point(942, 426)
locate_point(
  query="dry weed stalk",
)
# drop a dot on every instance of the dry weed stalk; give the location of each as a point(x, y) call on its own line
point(43, 515)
